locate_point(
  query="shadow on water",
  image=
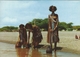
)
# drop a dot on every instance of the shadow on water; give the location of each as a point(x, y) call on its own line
point(57, 48)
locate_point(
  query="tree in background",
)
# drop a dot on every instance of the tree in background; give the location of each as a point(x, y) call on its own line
point(62, 26)
point(9, 28)
point(70, 27)
point(76, 28)
point(43, 24)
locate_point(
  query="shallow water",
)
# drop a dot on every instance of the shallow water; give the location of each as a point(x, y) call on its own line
point(9, 50)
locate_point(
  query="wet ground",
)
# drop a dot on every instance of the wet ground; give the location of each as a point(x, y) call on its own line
point(9, 50)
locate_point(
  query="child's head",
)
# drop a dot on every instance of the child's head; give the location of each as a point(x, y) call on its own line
point(21, 26)
point(28, 26)
point(52, 8)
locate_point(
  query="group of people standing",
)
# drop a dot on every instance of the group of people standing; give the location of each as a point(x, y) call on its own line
point(52, 36)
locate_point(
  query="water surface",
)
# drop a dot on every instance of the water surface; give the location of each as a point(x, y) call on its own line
point(9, 50)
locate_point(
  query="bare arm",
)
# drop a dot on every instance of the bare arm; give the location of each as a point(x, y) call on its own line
point(28, 36)
point(49, 22)
point(57, 21)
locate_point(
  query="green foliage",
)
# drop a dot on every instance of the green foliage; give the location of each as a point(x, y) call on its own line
point(43, 24)
point(62, 26)
point(65, 26)
point(76, 28)
point(9, 28)
point(70, 25)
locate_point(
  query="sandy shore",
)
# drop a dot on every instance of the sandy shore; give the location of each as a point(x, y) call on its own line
point(67, 43)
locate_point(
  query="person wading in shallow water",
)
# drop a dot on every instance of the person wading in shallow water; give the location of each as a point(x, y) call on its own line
point(53, 36)
point(22, 36)
point(36, 34)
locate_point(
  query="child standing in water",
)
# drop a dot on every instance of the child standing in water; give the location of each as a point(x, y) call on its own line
point(53, 36)
point(22, 36)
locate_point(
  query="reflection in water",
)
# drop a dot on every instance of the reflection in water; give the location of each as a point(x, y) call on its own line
point(22, 52)
point(55, 54)
point(8, 50)
point(48, 55)
point(35, 53)
point(28, 52)
point(41, 53)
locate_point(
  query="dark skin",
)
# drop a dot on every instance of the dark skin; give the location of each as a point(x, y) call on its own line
point(55, 17)
point(53, 20)
point(29, 30)
point(34, 30)
point(22, 36)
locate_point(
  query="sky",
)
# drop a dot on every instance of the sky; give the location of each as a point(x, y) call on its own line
point(14, 13)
